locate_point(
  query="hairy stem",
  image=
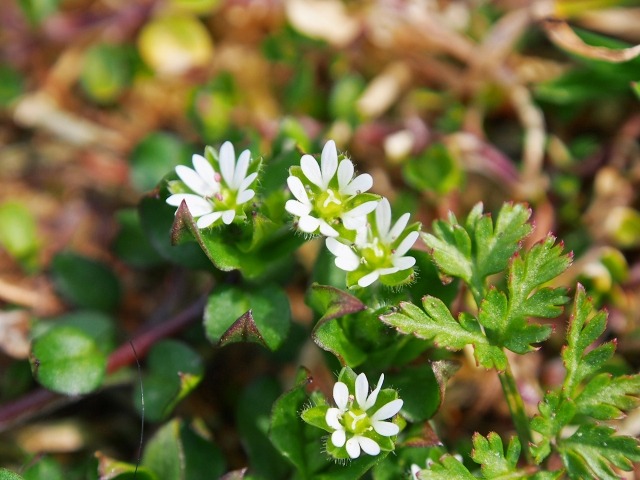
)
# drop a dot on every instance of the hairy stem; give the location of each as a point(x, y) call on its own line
point(516, 407)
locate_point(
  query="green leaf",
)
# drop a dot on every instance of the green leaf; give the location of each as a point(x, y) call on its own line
point(585, 326)
point(606, 397)
point(420, 390)
point(593, 450)
point(131, 244)
point(446, 469)
point(44, 468)
point(67, 360)
point(174, 371)
point(97, 325)
point(19, 233)
point(9, 475)
point(297, 442)
point(436, 323)
point(489, 453)
point(11, 85)
point(253, 414)
point(435, 170)
point(555, 412)
point(479, 248)
point(156, 219)
point(111, 469)
point(261, 315)
point(178, 452)
point(106, 72)
point(85, 282)
point(328, 333)
point(153, 157)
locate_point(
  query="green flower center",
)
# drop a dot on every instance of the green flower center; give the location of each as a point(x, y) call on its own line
point(376, 254)
point(329, 204)
point(356, 421)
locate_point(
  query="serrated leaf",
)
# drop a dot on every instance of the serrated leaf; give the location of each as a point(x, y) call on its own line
point(9, 475)
point(606, 397)
point(446, 469)
point(555, 413)
point(436, 323)
point(593, 450)
point(480, 248)
point(585, 326)
point(489, 453)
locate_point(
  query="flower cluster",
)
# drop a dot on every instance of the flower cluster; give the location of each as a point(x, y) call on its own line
point(357, 224)
point(212, 194)
point(358, 423)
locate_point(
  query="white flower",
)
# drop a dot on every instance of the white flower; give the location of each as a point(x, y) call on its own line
point(351, 423)
point(217, 195)
point(386, 235)
point(321, 199)
point(376, 251)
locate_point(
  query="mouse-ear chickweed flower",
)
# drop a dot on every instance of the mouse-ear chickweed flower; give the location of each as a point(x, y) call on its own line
point(328, 198)
point(359, 421)
point(379, 249)
point(217, 188)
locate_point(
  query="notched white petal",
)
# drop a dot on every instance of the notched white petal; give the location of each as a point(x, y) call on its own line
point(362, 389)
point(360, 184)
point(386, 429)
point(329, 162)
point(369, 446)
point(345, 174)
point(353, 447)
point(209, 219)
point(311, 170)
point(294, 207)
point(332, 417)
point(227, 162)
point(228, 216)
point(368, 279)
point(388, 410)
point(383, 218)
point(244, 196)
point(403, 263)
point(338, 438)
point(308, 224)
point(241, 168)
point(374, 395)
point(399, 227)
point(297, 189)
point(327, 230)
point(406, 243)
point(341, 395)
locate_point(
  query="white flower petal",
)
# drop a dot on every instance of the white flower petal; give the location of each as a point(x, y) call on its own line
point(195, 183)
point(415, 470)
point(197, 205)
point(362, 389)
point(368, 279)
point(332, 417)
point(327, 230)
point(360, 184)
point(388, 271)
point(383, 218)
point(296, 208)
point(374, 395)
point(341, 395)
point(406, 244)
point(357, 217)
point(244, 196)
point(403, 263)
point(308, 224)
point(346, 259)
point(386, 429)
point(205, 170)
point(227, 160)
point(388, 410)
point(338, 438)
point(398, 228)
point(297, 189)
point(206, 220)
point(368, 445)
point(241, 169)
point(353, 447)
point(247, 181)
point(311, 170)
point(345, 174)
point(328, 162)
point(228, 216)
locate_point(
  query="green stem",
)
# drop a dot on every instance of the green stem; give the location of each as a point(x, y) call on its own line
point(516, 407)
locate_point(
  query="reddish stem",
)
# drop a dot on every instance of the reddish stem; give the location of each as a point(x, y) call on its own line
point(40, 399)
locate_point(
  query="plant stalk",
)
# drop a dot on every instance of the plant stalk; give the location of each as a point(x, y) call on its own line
point(516, 407)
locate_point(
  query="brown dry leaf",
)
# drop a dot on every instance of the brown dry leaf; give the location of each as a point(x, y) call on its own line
point(14, 333)
point(560, 33)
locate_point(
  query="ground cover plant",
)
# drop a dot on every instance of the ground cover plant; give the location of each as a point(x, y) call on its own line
point(319, 239)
